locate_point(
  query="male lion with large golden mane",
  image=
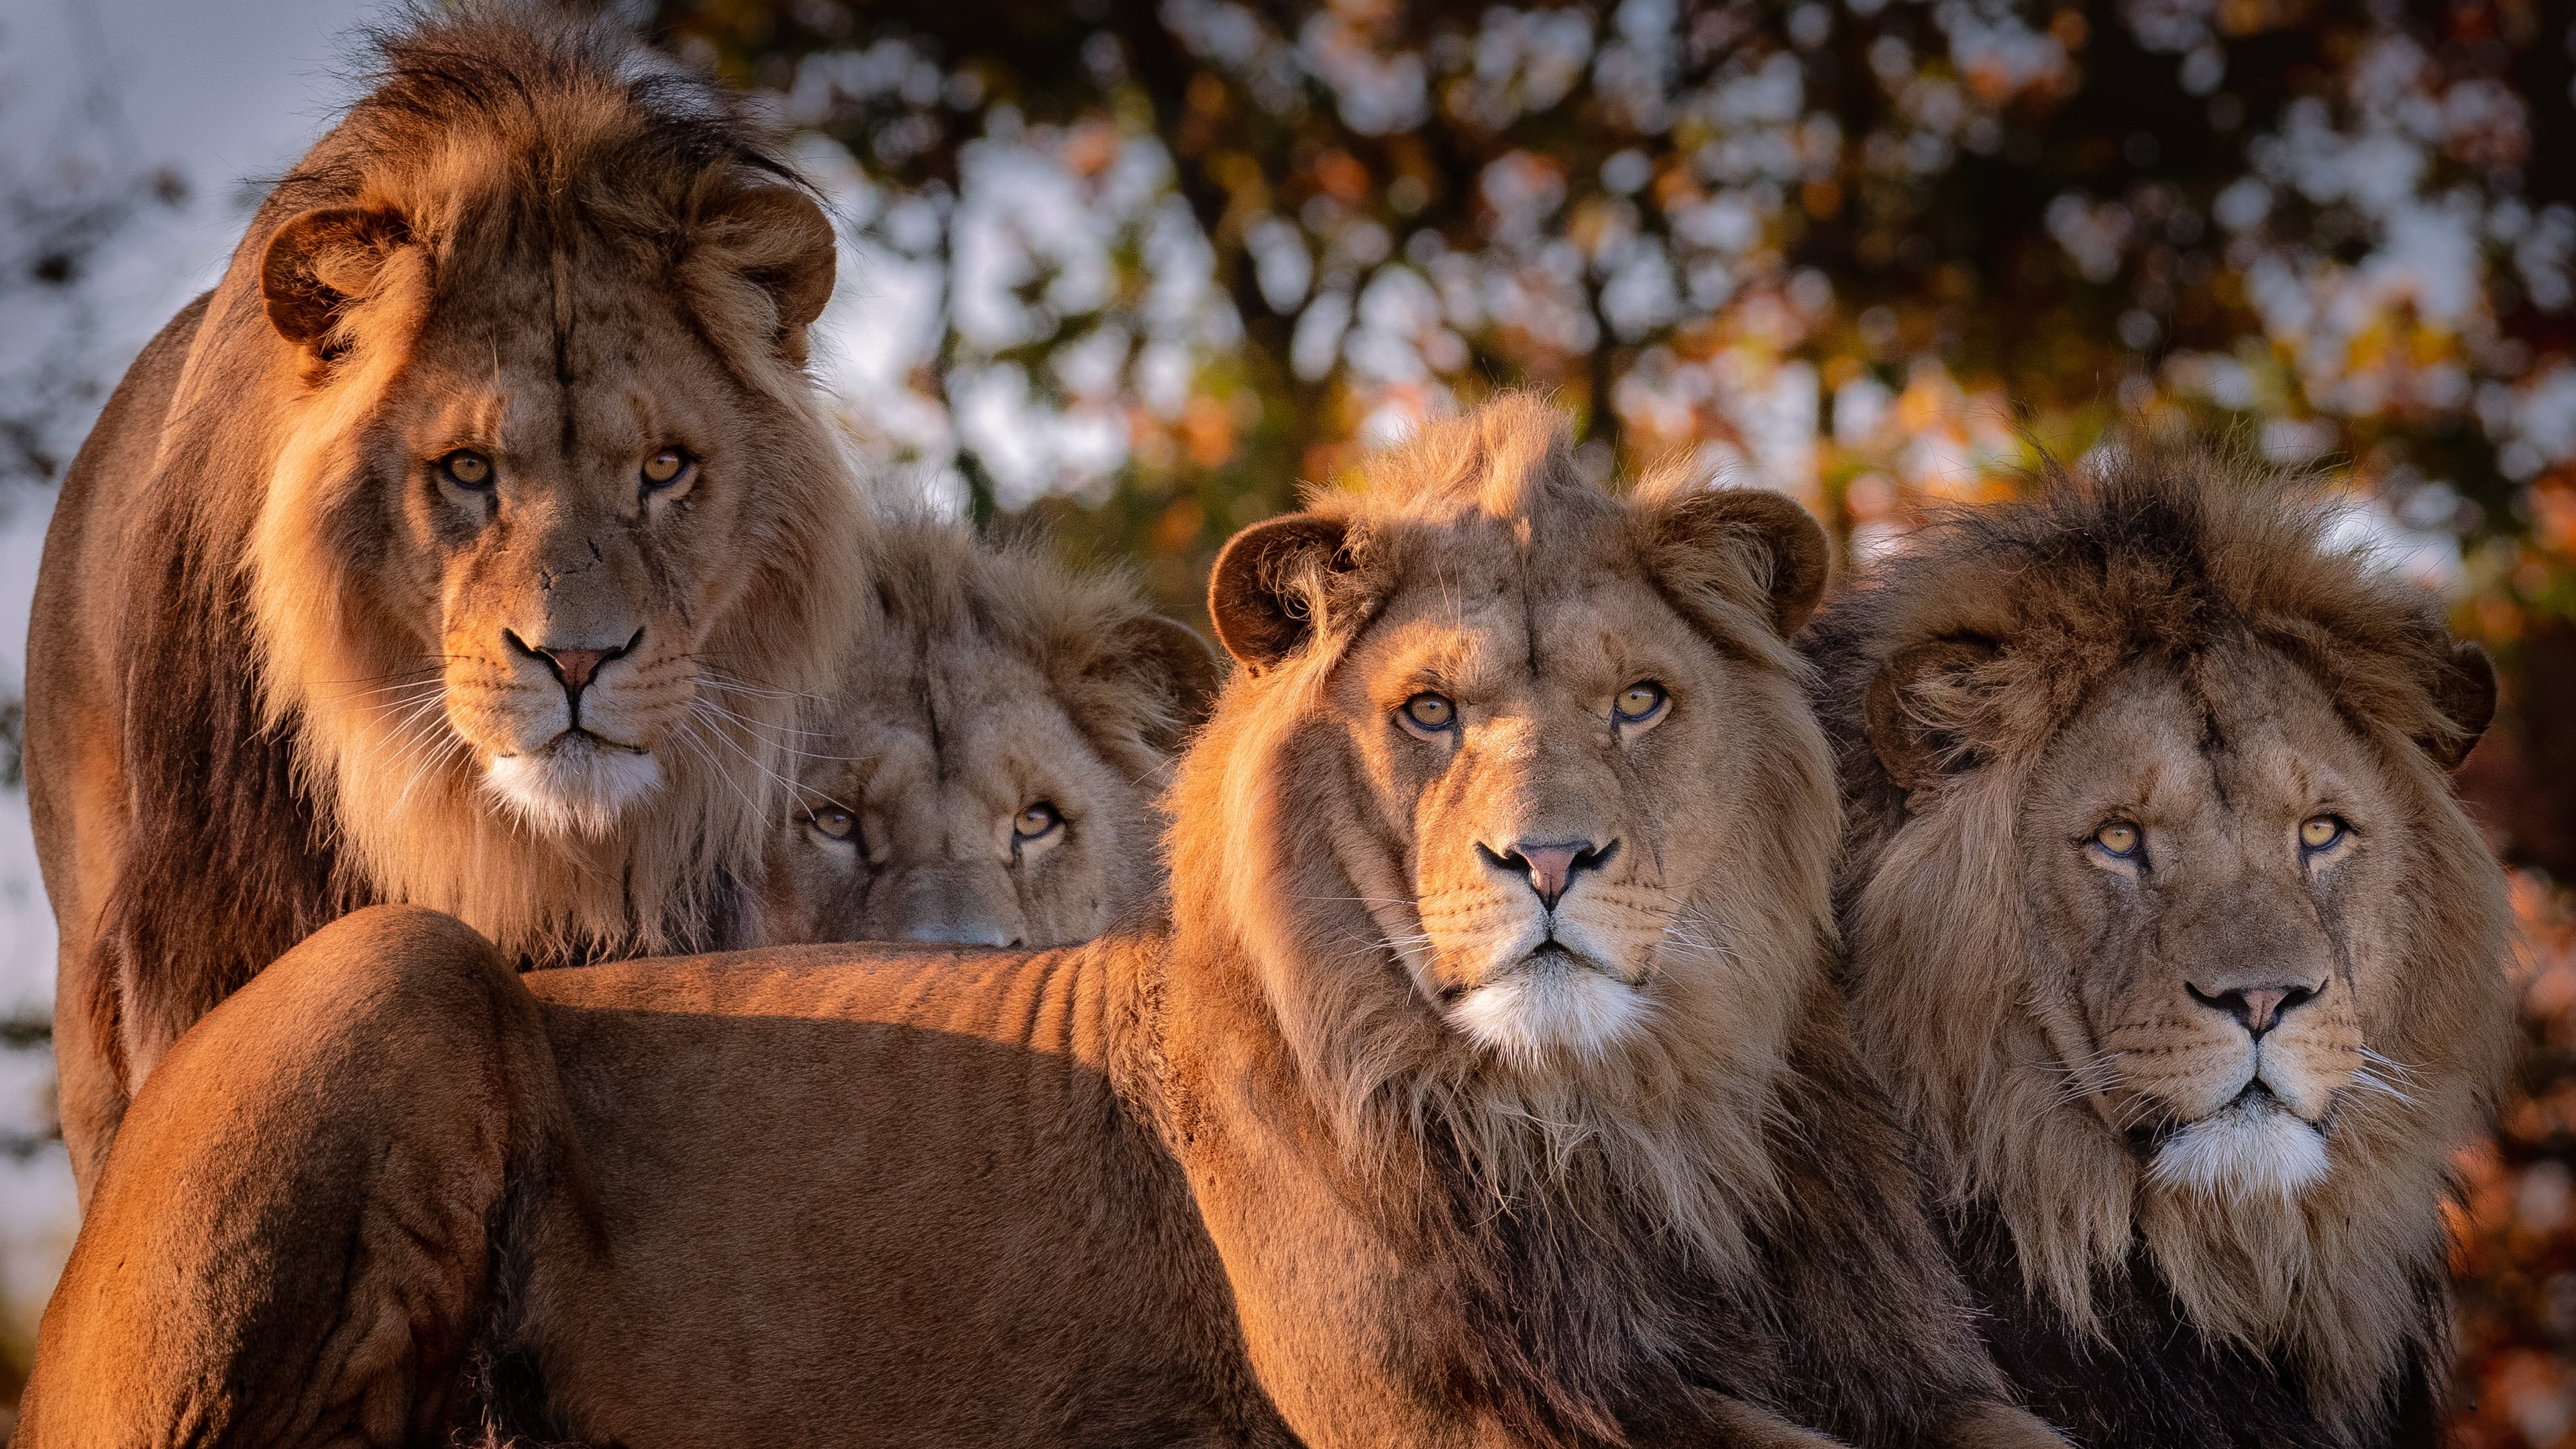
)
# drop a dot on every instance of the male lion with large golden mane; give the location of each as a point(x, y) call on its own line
point(983, 771)
point(1488, 1085)
point(466, 545)
point(2170, 937)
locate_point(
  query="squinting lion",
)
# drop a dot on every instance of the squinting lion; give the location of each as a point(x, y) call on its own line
point(1487, 1087)
point(984, 768)
point(466, 545)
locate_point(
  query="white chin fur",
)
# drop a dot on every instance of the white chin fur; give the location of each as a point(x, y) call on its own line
point(574, 788)
point(2250, 1152)
point(1549, 1006)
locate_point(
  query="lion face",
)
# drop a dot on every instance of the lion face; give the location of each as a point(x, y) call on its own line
point(1546, 749)
point(984, 770)
point(556, 539)
point(565, 551)
point(974, 812)
point(2224, 857)
point(1566, 742)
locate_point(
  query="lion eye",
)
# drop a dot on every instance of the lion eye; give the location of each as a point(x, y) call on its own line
point(466, 469)
point(1036, 821)
point(1639, 702)
point(2320, 831)
point(666, 467)
point(1428, 711)
point(833, 823)
point(2120, 838)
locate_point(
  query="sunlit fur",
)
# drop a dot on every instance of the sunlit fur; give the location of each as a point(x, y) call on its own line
point(271, 675)
point(2167, 639)
point(549, 229)
point(990, 678)
point(1331, 857)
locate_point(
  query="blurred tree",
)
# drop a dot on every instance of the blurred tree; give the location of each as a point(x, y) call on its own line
point(1181, 253)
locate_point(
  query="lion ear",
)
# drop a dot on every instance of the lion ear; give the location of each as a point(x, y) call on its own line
point(2464, 690)
point(1908, 729)
point(776, 237)
point(1718, 531)
point(317, 264)
point(1261, 595)
point(1178, 662)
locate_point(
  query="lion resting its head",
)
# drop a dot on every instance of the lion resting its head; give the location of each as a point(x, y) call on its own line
point(1487, 1085)
point(983, 770)
point(484, 530)
point(2166, 929)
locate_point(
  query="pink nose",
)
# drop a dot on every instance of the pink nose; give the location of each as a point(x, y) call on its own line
point(577, 665)
point(1550, 866)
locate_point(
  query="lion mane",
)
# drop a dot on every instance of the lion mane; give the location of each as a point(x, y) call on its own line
point(236, 728)
point(2143, 1300)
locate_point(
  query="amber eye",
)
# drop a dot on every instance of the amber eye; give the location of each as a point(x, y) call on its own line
point(2119, 837)
point(833, 823)
point(1036, 821)
point(666, 467)
point(466, 469)
point(1639, 701)
point(2320, 831)
point(1429, 711)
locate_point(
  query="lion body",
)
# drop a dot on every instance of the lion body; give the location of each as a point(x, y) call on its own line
point(2194, 1220)
point(279, 667)
point(991, 682)
point(1340, 1155)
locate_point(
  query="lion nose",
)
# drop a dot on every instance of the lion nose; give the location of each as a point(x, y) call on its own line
point(574, 667)
point(2257, 1008)
point(1550, 866)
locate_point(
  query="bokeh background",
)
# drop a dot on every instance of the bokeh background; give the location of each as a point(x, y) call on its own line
point(1131, 271)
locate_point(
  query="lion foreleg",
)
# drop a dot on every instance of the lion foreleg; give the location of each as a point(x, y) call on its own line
point(290, 1242)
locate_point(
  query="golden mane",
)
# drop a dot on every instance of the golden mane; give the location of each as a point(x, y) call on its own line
point(1983, 637)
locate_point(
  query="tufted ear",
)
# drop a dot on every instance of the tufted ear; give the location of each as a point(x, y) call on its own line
point(1260, 595)
point(2464, 690)
point(1176, 659)
point(1901, 715)
point(778, 238)
point(1728, 527)
point(317, 264)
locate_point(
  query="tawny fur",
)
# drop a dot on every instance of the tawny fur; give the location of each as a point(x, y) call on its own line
point(991, 679)
point(2171, 631)
point(268, 678)
point(1234, 1179)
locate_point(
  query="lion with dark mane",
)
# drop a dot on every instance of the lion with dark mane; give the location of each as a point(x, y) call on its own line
point(467, 545)
point(1488, 1085)
point(2166, 930)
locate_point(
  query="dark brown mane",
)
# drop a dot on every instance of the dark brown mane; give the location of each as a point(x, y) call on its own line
point(2148, 552)
point(1943, 683)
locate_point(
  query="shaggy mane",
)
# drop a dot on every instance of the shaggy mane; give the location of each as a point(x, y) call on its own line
point(2151, 554)
point(271, 797)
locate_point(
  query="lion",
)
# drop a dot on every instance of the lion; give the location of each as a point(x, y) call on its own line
point(984, 770)
point(1486, 1085)
point(467, 545)
point(2173, 943)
